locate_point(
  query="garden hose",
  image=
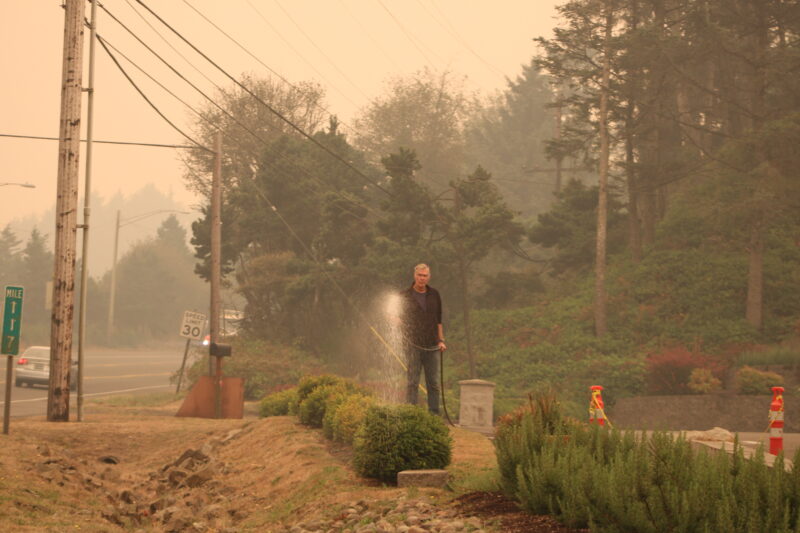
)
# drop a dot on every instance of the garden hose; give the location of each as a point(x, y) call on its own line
point(441, 377)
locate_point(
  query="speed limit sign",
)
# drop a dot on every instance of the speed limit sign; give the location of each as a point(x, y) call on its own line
point(193, 325)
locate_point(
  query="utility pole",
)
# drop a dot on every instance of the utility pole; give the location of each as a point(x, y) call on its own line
point(216, 238)
point(66, 213)
point(112, 291)
point(87, 193)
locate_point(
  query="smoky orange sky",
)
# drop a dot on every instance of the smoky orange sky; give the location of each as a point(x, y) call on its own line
point(350, 47)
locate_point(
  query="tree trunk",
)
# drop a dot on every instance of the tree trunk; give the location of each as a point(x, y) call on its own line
point(634, 226)
point(755, 277)
point(600, 296)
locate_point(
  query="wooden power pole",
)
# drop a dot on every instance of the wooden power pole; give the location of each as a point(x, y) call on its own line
point(66, 213)
point(216, 242)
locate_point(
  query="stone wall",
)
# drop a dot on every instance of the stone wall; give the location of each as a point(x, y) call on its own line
point(700, 412)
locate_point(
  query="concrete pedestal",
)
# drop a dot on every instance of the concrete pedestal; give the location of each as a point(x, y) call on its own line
point(477, 405)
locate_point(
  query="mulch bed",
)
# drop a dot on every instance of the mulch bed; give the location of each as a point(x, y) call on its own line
point(495, 506)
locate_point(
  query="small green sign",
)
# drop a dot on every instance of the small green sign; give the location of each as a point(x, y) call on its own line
point(12, 321)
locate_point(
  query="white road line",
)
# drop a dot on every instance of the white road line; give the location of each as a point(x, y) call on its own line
point(44, 398)
point(123, 376)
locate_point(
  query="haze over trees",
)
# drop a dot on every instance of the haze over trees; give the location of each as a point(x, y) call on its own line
point(154, 287)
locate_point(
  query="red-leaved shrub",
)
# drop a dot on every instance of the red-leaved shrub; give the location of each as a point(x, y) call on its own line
point(668, 371)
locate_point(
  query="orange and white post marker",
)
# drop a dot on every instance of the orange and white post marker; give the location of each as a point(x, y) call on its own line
point(596, 413)
point(776, 421)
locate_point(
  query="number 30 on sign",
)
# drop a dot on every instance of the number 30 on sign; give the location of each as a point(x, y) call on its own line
point(193, 325)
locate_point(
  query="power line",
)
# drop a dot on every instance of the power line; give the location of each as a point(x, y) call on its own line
point(229, 115)
point(368, 34)
point(450, 29)
point(320, 50)
point(141, 93)
point(262, 63)
point(124, 143)
point(269, 107)
point(140, 69)
point(166, 41)
point(407, 34)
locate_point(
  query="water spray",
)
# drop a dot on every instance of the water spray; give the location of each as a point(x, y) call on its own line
point(393, 309)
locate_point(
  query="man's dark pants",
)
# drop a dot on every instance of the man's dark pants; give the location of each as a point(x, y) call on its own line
point(429, 361)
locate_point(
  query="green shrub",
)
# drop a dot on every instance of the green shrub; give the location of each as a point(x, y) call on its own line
point(312, 409)
point(349, 417)
point(774, 355)
point(614, 481)
point(334, 402)
point(279, 403)
point(309, 383)
point(400, 437)
point(702, 381)
point(524, 431)
point(752, 381)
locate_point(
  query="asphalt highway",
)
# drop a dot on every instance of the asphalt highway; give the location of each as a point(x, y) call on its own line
point(107, 372)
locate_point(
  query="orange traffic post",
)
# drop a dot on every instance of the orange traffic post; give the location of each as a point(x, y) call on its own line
point(596, 413)
point(776, 421)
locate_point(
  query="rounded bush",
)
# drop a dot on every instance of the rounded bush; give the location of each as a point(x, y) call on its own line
point(702, 381)
point(334, 401)
point(752, 381)
point(349, 416)
point(279, 403)
point(312, 409)
point(400, 437)
point(309, 383)
point(331, 393)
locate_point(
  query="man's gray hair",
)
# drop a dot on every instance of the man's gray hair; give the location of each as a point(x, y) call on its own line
point(421, 266)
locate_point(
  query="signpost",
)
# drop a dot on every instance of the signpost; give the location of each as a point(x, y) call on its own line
point(9, 344)
point(192, 328)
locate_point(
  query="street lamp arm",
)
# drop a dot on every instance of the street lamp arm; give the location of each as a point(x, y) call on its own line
point(26, 185)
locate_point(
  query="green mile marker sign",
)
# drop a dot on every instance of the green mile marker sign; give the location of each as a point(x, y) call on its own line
point(12, 321)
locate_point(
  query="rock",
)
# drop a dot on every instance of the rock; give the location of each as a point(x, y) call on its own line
point(208, 447)
point(177, 524)
point(212, 511)
point(422, 478)
point(109, 474)
point(127, 496)
point(231, 434)
point(109, 459)
point(160, 504)
point(716, 434)
point(200, 477)
point(384, 527)
point(176, 476)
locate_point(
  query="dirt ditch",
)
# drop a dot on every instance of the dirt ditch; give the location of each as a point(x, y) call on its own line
point(133, 469)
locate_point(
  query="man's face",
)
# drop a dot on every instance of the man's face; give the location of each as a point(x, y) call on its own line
point(421, 278)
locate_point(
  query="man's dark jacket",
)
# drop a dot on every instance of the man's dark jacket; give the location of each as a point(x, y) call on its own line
point(422, 326)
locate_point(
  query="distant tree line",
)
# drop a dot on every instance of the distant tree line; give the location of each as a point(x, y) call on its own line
point(154, 287)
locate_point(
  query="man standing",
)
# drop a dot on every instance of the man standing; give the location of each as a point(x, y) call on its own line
point(424, 338)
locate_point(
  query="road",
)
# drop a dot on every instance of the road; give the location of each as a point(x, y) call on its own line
point(107, 372)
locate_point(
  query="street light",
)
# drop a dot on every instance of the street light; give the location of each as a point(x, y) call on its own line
point(122, 223)
point(26, 185)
